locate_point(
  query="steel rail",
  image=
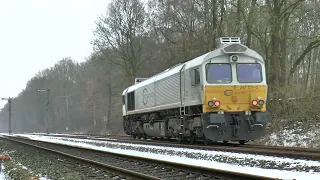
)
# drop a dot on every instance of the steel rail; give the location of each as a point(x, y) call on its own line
point(114, 168)
point(290, 152)
point(192, 168)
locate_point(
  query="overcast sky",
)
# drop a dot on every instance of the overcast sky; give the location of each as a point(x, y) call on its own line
point(35, 34)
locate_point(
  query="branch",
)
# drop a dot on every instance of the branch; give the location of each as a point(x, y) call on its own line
point(312, 45)
point(290, 8)
point(268, 4)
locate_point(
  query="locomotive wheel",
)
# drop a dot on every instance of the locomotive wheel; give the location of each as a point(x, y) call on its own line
point(145, 136)
point(225, 142)
point(206, 141)
point(134, 136)
point(180, 139)
point(192, 139)
point(242, 142)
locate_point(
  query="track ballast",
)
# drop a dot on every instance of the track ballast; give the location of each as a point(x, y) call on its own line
point(138, 167)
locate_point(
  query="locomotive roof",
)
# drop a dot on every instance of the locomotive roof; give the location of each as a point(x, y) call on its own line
point(188, 65)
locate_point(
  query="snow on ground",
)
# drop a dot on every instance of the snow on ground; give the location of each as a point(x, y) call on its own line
point(53, 134)
point(5, 176)
point(40, 177)
point(295, 137)
point(238, 162)
point(2, 175)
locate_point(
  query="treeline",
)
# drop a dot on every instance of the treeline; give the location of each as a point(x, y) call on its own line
point(78, 94)
point(134, 39)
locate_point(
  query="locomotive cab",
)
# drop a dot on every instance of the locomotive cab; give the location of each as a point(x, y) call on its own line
point(235, 92)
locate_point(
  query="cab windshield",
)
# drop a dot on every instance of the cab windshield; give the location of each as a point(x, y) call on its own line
point(218, 73)
point(249, 73)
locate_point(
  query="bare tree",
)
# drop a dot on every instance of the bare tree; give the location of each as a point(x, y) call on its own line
point(123, 31)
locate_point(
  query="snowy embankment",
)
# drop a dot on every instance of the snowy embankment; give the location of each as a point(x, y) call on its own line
point(295, 137)
point(284, 168)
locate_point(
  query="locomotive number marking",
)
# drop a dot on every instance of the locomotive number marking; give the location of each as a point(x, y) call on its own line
point(228, 92)
point(248, 87)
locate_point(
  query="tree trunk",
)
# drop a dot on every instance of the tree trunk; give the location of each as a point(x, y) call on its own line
point(314, 70)
point(238, 24)
point(207, 45)
point(249, 23)
point(317, 79)
point(222, 10)
point(283, 47)
point(307, 83)
point(275, 44)
point(214, 24)
point(109, 104)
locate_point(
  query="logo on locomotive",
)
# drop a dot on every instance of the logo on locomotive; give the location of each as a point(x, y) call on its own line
point(145, 96)
point(144, 99)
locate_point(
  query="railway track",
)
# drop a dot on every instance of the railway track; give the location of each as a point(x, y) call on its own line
point(291, 152)
point(135, 167)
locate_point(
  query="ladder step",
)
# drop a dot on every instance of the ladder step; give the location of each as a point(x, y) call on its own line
point(182, 111)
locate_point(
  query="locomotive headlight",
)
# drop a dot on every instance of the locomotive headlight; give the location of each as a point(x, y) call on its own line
point(214, 103)
point(261, 102)
point(234, 58)
point(258, 102)
point(254, 102)
point(210, 103)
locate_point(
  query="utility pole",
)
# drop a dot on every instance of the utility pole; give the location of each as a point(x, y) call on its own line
point(47, 91)
point(68, 120)
point(9, 101)
point(67, 104)
point(94, 116)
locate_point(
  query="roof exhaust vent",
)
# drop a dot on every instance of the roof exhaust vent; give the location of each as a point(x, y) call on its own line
point(138, 80)
point(227, 40)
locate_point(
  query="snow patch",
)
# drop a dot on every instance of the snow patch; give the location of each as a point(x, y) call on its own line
point(296, 136)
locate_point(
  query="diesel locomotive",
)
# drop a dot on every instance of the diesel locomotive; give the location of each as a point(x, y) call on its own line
point(218, 96)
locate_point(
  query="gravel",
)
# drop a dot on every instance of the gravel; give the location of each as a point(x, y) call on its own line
point(160, 170)
point(244, 161)
point(29, 162)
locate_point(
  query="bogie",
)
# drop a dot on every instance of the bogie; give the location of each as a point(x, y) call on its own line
point(242, 142)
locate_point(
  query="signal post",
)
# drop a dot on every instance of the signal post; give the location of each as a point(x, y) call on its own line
point(9, 109)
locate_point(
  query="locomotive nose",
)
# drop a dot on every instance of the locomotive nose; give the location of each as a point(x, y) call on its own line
point(234, 98)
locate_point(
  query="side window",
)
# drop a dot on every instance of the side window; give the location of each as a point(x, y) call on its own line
point(131, 102)
point(195, 77)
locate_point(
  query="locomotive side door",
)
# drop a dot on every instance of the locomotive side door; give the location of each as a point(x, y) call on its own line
point(182, 90)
